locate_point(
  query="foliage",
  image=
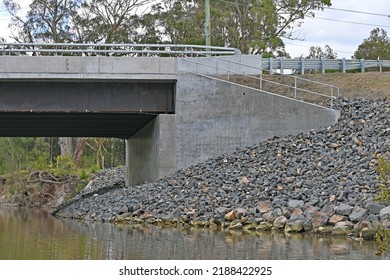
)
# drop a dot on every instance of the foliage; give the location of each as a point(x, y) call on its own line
point(383, 241)
point(253, 26)
point(316, 52)
point(27, 153)
point(46, 21)
point(107, 21)
point(383, 170)
point(383, 235)
point(376, 46)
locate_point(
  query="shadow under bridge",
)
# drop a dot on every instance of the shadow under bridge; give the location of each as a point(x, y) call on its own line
point(81, 108)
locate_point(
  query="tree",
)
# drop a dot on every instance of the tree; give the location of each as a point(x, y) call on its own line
point(46, 20)
point(253, 26)
point(376, 46)
point(107, 21)
point(316, 52)
point(174, 22)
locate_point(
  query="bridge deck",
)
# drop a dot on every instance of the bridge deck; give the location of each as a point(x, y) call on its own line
point(81, 108)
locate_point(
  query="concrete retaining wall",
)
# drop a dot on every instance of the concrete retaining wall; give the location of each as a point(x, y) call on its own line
point(214, 117)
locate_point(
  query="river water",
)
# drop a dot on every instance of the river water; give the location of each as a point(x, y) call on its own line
point(30, 234)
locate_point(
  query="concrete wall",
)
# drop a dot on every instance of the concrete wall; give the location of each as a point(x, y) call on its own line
point(214, 117)
point(151, 153)
point(237, 64)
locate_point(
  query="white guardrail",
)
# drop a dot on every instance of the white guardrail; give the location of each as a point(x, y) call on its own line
point(113, 49)
point(305, 65)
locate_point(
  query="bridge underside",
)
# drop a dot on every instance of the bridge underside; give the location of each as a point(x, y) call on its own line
point(94, 108)
point(117, 125)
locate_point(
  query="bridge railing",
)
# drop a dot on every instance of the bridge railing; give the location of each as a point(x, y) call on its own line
point(291, 86)
point(305, 65)
point(65, 49)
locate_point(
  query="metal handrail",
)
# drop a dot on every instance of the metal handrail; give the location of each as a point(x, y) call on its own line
point(261, 79)
point(117, 49)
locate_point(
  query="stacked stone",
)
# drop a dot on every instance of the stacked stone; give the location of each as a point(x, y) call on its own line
point(321, 181)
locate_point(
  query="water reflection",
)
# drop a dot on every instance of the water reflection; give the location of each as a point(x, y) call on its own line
point(28, 234)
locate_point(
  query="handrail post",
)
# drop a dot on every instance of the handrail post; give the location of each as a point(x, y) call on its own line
point(331, 97)
point(261, 80)
point(295, 87)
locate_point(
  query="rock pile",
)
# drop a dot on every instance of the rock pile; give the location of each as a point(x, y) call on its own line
point(321, 181)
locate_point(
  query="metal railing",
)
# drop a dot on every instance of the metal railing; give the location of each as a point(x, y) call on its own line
point(34, 49)
point(305, 65)
point(287, 85)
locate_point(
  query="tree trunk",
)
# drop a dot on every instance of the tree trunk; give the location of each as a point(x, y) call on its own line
point(65, 144)
point(79, 151)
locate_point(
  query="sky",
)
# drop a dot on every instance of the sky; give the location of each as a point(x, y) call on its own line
point(325, 29)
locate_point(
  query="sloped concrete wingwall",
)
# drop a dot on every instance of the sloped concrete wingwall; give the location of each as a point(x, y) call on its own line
point(214, 117)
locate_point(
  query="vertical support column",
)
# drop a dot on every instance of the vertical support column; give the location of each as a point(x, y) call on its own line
point(302, 65)
point(323, 69)
point(127, 167)
point(343, 65)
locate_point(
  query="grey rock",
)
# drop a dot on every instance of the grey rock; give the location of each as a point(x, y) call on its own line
point(295, 203)
point(385, 213)
point(344, 209)
point(358, 214)
point(375, 208)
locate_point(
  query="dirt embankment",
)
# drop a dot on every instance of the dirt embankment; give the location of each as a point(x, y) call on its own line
point(370, 85)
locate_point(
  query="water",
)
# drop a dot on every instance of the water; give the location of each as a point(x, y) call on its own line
point(30, 234)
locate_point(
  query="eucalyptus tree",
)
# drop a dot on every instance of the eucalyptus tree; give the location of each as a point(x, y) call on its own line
point(45, 21)
point(316, 52)
point(258, 26)
point(253, 26)
point(109, 21)
point(376, 46)
point(174, 22)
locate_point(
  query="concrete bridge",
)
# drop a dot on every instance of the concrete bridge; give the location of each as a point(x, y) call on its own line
point(172, 111)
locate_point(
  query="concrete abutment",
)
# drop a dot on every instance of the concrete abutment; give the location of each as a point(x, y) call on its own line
point(212, 118)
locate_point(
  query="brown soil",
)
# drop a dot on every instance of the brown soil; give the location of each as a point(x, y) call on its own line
point(39, 193)
point(370, 85)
